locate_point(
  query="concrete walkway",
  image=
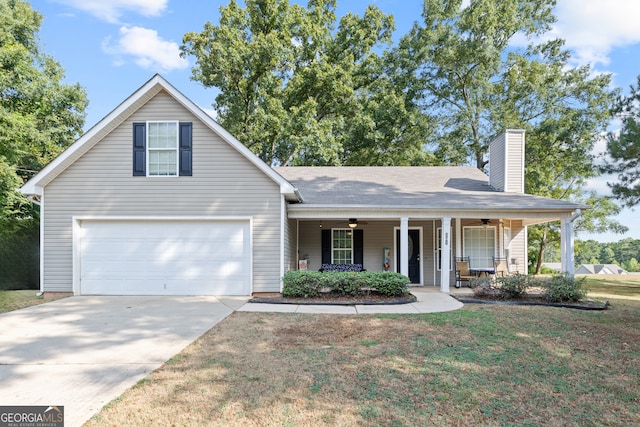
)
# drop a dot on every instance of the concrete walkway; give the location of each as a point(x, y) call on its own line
point(82, 352)
point(430, 300)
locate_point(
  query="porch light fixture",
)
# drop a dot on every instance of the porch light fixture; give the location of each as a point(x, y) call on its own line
point(485, 222)
point(353, 222)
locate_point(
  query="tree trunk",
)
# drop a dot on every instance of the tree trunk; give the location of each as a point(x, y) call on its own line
point(543, 245)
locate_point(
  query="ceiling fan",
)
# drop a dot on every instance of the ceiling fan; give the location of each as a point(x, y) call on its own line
point(353, 222)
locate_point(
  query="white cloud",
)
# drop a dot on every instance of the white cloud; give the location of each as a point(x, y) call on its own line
point(111, 10)
point(592, 28)
point(147, 48)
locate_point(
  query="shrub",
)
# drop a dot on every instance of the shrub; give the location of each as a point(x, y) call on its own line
point(513, 286)
point(345, 283)
point(564, 288)
point(485, 287)
point(546, 270)
point(387, 282)
point(307, 284)
point(301, 284)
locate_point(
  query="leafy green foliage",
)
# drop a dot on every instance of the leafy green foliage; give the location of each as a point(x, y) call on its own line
point(505, 287)
point(564, 288)
point(297, 89)
point(514, 286)
point(624, 149)
point(308, 284)
point(39, 117)
point(596, 219)
point(387, 282)
point(302, 284)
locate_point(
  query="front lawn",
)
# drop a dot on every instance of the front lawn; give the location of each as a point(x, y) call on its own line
point(481, 365)
point(14, 300)
point(622, 286)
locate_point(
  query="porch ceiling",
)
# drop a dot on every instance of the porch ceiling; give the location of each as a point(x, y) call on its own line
point(302, 211)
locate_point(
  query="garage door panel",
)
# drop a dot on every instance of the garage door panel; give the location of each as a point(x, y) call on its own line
point(165, 258)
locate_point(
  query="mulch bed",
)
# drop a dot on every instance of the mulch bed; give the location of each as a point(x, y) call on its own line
point(373, 298)
point(533, 300)
point(329, 298)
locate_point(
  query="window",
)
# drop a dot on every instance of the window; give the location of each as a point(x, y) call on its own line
point(162, 146)
point(343, 237)
point(342, 246)
point(479, 246)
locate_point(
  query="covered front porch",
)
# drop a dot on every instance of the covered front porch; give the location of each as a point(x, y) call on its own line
point(414, 246)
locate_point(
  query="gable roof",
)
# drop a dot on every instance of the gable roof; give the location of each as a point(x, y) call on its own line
point(140, 97)
point(435, 188)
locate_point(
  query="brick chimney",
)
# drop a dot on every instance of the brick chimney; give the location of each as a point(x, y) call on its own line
point(506, 161)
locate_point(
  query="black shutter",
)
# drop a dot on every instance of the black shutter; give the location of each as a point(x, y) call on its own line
point(139, 149)
point(358, 247)
point(326, 246)
point(185, 149)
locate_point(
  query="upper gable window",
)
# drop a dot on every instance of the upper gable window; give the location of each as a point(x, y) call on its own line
point(162, 148)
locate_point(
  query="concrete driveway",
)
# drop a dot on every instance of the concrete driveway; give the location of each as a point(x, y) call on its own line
point(82, 352)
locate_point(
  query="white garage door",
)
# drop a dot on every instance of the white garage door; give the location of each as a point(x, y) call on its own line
point(165, 258)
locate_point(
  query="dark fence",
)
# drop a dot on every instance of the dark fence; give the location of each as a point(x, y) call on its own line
point(20, 259)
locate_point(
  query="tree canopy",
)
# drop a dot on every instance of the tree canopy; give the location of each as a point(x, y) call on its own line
point(624, 149)
point(299, 87)
point(39, 115)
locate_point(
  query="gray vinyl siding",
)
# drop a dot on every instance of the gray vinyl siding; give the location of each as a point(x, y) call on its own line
point(497, 163)
point(376, 236)
point(515, 162)
point(290, 245)
point(100, 183)
point(506, 162)
point(518, 247)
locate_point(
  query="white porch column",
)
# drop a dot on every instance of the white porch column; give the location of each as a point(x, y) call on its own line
point(446, 254)
point(567, 245)
point(404, 246)
point(458, 237)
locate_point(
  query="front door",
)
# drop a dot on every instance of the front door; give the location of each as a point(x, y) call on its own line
point(414, 254)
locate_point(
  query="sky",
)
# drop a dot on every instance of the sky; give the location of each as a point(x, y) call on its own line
point(112, 47)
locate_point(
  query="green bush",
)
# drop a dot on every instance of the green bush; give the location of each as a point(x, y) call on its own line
point(307, 284)
point(302, 284)
point(513, 286)
point(564, 288)
point(546, 270)
point(344, 283)
point(388, 283)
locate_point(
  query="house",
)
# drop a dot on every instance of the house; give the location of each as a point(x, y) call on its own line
point(555, 266)
point(158, 199)
point(600, 269)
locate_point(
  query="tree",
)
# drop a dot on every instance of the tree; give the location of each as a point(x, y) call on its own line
point(624, 149)
point(458, 57)
point(39, 115)
point(594, 220)
point(632, 265)
point(476, 83)
point(297, 90)
point(587, 252)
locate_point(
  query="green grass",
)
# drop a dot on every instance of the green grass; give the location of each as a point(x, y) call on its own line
point(14, 300)
point(619, 288)
point(481, 365)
